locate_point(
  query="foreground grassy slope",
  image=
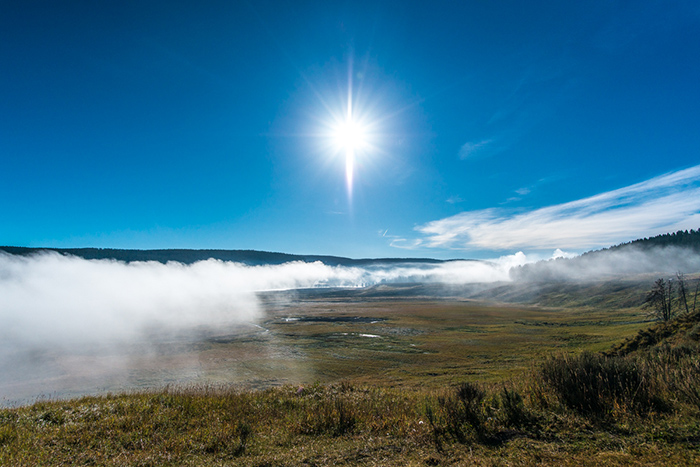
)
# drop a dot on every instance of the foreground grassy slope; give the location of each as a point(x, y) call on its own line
point(640, 405)
point(516, 423)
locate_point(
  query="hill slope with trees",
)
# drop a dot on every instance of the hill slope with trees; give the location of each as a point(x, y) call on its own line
point(662, 254)
point(187, 256)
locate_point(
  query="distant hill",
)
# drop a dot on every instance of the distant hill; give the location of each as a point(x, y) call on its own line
point(663, 254)
point(610, 294)
point(249, 257)
point(685, 239)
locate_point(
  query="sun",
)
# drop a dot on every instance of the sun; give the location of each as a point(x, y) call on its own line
point(350, 135)
point(350, 138)
point(352, 126)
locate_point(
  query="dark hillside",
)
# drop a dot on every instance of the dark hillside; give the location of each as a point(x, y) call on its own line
point(682, 238)
point(186, 256)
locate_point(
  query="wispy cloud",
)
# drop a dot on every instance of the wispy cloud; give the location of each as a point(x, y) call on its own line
point(662, 204)
point(489, 147)
point(529, 189)
point(473, 149)
point(405, 244)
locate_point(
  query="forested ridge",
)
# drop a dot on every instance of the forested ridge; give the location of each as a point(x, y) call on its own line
point(682, 238)
point(187, 256)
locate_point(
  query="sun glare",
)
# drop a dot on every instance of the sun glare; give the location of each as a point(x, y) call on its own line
point(350, 128)
point(350, 136)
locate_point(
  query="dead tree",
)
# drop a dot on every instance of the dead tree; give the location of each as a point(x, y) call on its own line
point(659, 300)
point(682, 298)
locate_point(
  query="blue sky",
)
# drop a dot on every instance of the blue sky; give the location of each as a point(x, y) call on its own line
point(490, 127)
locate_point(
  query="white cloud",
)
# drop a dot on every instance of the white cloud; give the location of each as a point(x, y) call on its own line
point(662, 204)
point(562, 254)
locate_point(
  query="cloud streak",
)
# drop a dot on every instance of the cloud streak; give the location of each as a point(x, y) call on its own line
point(662, 204)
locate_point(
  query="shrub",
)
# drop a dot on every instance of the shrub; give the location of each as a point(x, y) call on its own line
point(462, 414)
point(513, 411)
point(594, 384)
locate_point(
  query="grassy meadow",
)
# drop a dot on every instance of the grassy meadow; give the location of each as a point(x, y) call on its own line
point(420, 343)
point(330, 380)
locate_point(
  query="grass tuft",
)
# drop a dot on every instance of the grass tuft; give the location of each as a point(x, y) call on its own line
point(595, 385)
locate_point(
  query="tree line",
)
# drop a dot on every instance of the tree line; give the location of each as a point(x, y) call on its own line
point(682, 238)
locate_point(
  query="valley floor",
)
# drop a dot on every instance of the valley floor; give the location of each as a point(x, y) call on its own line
point(322, 381)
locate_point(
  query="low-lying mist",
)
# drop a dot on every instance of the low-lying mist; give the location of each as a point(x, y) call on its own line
point(66, 321)
point(51, 299)
point(607, 264)
point(63, 300)
point(56, 305)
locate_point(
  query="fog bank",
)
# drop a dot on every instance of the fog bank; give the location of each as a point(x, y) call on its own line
point(70, 324)
point(606, 264)
point(51, 299)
